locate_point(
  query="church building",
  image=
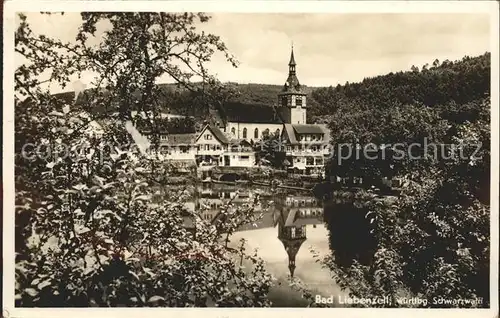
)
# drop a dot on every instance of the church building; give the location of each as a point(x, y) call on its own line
point(252, 122)
point(231, 138)
point(306, 145)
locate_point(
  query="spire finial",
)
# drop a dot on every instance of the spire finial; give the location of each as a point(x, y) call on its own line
point(292, 58)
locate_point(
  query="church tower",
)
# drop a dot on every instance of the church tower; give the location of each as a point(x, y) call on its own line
point(292, 100)
point(292, 238)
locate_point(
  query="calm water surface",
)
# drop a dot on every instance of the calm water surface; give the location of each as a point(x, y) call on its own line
point(298, 212)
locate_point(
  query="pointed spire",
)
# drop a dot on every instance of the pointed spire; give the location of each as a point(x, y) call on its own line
point(292, 58)
point(291, 267)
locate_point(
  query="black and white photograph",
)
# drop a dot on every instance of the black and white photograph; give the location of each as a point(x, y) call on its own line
point(178, 155)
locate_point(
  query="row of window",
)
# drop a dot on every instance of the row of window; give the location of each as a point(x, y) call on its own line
point(255, 132)
point(297, 203)
point(209, 147)
point(314, 137)
point(304, 148)
point(298, 101)
point(311, 212)
point(309, 160)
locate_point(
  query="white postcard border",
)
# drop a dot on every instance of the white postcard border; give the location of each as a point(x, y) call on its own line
point(11, 7)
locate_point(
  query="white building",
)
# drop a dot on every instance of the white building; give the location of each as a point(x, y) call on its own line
point(251, 122)
point(306, 147)
point(215, 148)
point(230, 141)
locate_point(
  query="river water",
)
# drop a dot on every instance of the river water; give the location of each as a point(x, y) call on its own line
point(298, 211)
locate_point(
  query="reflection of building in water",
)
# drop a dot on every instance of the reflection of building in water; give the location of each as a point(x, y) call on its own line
point(296, 213)
point(211, 201)
point(307, 209)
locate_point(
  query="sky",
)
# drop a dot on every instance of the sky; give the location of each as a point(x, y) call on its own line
point(329, 48)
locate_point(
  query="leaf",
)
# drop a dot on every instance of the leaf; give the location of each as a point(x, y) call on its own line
point(155, 298)
point(65, 109)
point(31, 291)
point(54, 113)
point(134, 274)
point(148, 271)
point(80, 186)
point(44, 284)
point(143, 197)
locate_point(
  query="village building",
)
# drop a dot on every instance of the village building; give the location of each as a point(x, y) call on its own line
point(215, 148)
point(230, 140)
point(253, 122)
point(306, 148)
point(178, 147)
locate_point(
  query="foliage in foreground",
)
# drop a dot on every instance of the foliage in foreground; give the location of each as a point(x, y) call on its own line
point(87, 232)
point(432, 241)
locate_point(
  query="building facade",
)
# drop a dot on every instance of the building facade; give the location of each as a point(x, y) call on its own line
point(230, 142)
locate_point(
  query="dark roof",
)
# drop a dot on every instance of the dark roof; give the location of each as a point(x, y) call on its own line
point(290, 133)
point(293, 130)
point(292, 59)
point(292, 85)
point(251, 113)
point(174, 125)
point(308, 129)
point(180, 139)
point(217, 133)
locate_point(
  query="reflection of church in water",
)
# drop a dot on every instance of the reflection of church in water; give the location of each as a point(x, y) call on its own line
point(291, 214)
point(295, 214)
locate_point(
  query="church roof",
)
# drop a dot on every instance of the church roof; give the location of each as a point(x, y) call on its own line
point(181, 139)
point(251, 113)
point(217, 133)
point(293, 131)
point(292, 59)
point(292, 85)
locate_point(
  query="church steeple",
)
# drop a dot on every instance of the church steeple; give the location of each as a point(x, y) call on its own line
point(292, 99)
point(292, 236)
point(292, 82)
point(292, 63)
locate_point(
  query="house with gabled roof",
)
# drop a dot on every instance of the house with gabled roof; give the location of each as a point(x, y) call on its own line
point(230, 142)
point(306, 147)
point(252, 122)
point(211, 144)
point(215, 148)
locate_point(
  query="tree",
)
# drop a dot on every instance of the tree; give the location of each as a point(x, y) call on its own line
point(270, 151)
point(433, 240)
point(87, 232)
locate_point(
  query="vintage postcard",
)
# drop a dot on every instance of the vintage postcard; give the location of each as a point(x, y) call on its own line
point(324, 156)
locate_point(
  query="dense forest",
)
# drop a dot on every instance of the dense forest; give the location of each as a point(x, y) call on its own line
point(442, 83)
point(433, 238)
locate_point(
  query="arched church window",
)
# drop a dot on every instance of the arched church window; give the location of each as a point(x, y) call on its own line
point(233, 131)
point(278, 132)
point(244, 133)
point(256, 133)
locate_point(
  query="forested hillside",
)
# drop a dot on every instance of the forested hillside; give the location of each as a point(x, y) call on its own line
point(441, 83)
point(433, 239)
